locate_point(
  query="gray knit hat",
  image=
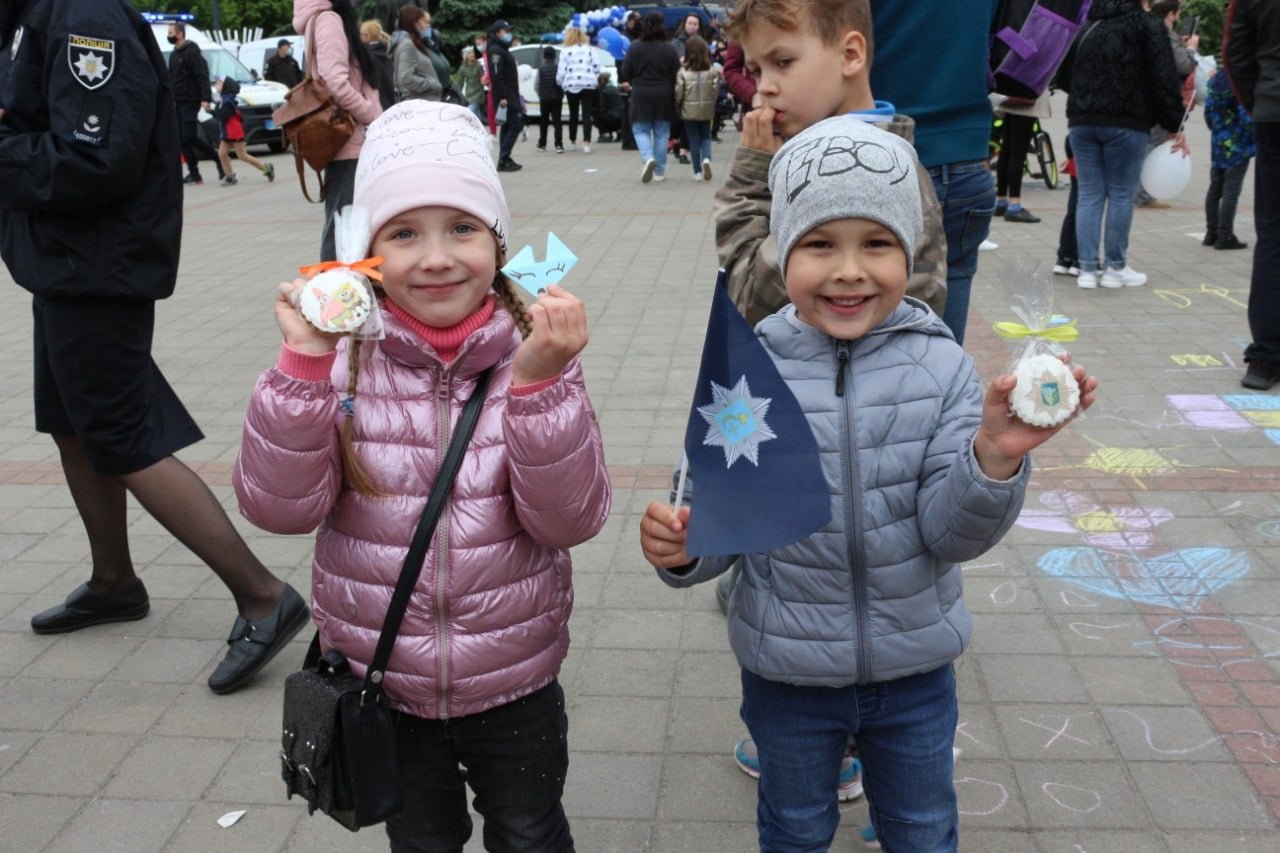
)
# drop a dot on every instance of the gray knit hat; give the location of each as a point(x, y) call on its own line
point(844, 168)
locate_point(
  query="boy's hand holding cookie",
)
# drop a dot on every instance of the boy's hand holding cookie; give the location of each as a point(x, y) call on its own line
point(1003, 440)
point(298, 334)
point(559, 333)
point(663, 532)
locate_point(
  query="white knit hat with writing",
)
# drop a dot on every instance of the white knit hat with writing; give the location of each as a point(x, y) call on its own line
point(427, 154)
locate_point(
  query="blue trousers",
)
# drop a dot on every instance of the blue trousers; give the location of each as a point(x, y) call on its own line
point(968, 198)
point(1108, 169)
point(905, 729)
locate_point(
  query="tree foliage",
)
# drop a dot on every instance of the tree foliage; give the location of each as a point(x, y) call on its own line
point(1213, 19)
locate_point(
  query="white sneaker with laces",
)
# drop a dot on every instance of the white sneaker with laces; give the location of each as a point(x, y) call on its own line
point(657, 179)
point(646, 173)
point(1127, 277)
point(706, 169)
point(1066, 269)
point(586, 148)
point(988, 246)
point(1087, 280)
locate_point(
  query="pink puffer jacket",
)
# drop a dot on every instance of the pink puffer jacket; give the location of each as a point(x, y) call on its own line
point(488, 622)
point(333, 64)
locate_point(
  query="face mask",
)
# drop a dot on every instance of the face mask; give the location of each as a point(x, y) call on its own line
point(425, 32)
point(172, 39)
point(506, 38)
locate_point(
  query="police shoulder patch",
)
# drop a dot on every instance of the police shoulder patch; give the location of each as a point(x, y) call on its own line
point(92, 60)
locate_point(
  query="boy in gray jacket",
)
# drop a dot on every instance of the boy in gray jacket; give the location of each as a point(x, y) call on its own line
point(852, 631)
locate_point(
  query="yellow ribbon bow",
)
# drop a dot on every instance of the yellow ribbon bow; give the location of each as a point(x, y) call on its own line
point(1064, 333)
point(368, 267)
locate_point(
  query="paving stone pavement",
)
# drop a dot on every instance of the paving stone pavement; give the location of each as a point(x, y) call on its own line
point(1121, 693)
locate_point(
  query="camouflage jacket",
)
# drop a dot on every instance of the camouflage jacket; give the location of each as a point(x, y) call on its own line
point(750, 256)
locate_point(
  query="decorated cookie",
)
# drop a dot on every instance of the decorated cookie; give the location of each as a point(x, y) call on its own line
point(336, 301)
point(1046, 394)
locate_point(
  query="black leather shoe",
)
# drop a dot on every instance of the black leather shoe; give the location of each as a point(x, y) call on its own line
point(1230, 241)
point(1261, 376)
point(84, 607)
point(254, 644)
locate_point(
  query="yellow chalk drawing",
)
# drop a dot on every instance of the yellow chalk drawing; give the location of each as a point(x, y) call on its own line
point(1264, 419)
point(1180, 298)
point(1134, 462)
point(1196, 360)
point(1098, 521)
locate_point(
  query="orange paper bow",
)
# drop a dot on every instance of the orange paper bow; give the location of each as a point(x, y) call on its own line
point(368, 268)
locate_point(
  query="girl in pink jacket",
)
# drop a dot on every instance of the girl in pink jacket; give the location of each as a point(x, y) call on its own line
point(349, 435)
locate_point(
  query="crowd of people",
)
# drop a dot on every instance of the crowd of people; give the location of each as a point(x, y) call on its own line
point(845, 639)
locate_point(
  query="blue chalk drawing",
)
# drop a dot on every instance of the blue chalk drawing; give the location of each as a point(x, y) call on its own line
point(1179, 580)
point(1253, 402)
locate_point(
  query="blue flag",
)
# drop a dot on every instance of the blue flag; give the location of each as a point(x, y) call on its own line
point(751, 455)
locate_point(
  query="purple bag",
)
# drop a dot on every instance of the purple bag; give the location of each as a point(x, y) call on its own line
point(1033, 51)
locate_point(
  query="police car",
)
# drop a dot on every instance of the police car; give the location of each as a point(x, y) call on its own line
point(257, 99)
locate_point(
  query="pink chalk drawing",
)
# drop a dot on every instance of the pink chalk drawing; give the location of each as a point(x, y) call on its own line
point(1120, 562)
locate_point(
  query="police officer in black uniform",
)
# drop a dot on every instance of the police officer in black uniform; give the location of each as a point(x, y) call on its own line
point(90, 224)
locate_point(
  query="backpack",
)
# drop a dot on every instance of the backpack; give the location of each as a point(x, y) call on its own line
point(1029, 40)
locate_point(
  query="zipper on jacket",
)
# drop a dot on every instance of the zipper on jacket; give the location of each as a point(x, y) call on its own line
point(855, 550)
point(842, 361)
point(442, 545)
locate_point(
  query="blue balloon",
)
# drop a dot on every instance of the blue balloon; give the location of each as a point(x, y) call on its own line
point(613, 41)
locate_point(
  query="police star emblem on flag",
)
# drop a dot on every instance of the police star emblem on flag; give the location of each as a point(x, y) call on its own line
point(92, 60)
point(742, 409)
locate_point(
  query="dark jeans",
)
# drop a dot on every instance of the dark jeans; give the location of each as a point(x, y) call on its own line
point(1015, 138)
point(905, 729)
point(509, 132)
point(1067, 236)
point(550, 115)
point(514, 757)
point(968, 199)
point(1220, 202)
point(1264, 286)
point(586, 99)
point(606, 123)
point(339, 188)
point(699, 142)
point(193, 144)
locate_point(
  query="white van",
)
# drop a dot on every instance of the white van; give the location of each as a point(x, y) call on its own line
point(254, 54)
point(258, 99)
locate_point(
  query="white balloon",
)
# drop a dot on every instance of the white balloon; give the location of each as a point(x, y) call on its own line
point(1165, 172)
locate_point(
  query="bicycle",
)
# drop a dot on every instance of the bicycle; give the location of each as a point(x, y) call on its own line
point(1041, 149)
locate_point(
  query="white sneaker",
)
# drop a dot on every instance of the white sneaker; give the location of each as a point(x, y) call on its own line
point(646, 173)
point(1087, 280)
point(657, 179)
point(706, 170)
point(1066, 269)
point(571, 147)
point(988, 246)
point(697, 176)
point(1127, 277)
point(586, 148)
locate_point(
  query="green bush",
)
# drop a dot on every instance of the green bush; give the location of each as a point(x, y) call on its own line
point(1213, 19)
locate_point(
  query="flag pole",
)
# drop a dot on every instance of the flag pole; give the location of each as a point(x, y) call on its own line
point(684, 471)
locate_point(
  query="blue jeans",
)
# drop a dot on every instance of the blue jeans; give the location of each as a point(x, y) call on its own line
point(1264, 285)
point(651, 139)
point(968, 198)
point(1108, 168)
point(479, 112)
point(699, 142)
point(513, 756)
point(905, 729)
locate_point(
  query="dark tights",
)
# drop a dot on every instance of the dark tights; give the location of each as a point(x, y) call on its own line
point(1015, 139)
point(177, 498)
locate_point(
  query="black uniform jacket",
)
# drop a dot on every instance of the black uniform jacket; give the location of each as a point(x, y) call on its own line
point(90, 178)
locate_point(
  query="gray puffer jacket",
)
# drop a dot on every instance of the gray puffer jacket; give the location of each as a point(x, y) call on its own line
point(876, 593)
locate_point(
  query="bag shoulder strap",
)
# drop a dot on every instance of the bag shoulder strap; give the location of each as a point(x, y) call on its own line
point(422, 538)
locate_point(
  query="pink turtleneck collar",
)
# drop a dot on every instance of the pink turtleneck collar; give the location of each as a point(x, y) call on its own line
point(446, 342)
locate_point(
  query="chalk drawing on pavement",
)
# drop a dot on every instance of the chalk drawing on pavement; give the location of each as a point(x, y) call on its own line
point(1073, 798)
point(1121, 559)
point(1185, 640)
point(1185, 297)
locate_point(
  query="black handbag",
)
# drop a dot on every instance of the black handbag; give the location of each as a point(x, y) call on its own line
point(338, 750)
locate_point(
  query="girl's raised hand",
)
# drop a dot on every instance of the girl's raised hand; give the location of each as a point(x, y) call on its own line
point(559, 333)
point(298, 334)
point(1003, 440)
point(663, 532)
